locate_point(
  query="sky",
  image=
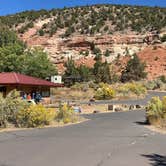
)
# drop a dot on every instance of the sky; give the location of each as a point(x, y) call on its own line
point(14, 6)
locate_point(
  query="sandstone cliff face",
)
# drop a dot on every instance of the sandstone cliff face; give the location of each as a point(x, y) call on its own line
point(153, 56)
point(59, 49)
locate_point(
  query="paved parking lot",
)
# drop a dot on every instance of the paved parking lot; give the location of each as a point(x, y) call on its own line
point(110, 139)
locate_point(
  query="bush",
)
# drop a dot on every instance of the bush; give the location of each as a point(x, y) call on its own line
point(66, 114)
point(80, 87)
point(134, 88)
point(156, 111)
point(159, 83)
point(151, 85)
point(41, 32)
point(104, 92)
point(9, 108)
point(93, 85)
point(35, 116)
point(163, 38)
point(162, 78)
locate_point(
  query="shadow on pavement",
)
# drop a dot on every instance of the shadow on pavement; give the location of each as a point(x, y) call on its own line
point(156, 159)
point(142, 123)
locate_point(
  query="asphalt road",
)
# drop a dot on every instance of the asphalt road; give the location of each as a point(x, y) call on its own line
point(110, 139)
point(144, 101)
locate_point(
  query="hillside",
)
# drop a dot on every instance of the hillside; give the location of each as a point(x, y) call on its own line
point(90, 19)
point(153, 56)
point(83, 32)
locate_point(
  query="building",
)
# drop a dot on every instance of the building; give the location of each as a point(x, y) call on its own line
point(56, 79)
point(25, 84)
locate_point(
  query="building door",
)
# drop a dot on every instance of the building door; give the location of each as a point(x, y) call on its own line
point(3, 90)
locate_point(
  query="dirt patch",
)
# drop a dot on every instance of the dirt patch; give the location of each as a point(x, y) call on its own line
point(153, 56)
point(88, 109)
point(156, 129)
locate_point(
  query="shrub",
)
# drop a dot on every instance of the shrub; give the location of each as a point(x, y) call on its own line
point(93, 85)
point(86, 53)
point(80, 87)
point(35, 116)
point(3, 113)
point(159, 83)
point(134, 88)
point(151, 85)
point(41, 32)
point(156, 58)
point(107, 53)
point(9, 107)
point(162, 78)
point(154, 107)
point(163, 38)
point(96, 51)
point(156, 111)
point(66, 114)
point(104, 92)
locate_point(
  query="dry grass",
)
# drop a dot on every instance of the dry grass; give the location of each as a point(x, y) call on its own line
point(86, 109)
point(128, 96)
point(78, 94)
point(157, 129)
point(157, 124)
point(72, 94)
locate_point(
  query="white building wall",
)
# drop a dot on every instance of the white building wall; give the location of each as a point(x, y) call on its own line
point(56, 79)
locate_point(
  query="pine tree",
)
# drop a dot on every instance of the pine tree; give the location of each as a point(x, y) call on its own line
point(101, 72)
point(135, 70)
point(71, 69)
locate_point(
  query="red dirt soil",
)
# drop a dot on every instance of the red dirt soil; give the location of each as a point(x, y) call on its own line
point(153, 56)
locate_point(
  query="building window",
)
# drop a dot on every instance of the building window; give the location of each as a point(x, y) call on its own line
point(45, 93)
point(2, 89)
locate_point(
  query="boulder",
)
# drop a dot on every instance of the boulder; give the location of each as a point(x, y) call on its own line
point(131, 107)
point(96, 111)
point(118, 109)
point(138, 106)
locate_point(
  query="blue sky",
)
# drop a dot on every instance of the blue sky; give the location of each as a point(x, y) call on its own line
point(13, 6)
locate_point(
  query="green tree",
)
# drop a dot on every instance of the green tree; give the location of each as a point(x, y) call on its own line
point(85, 73)
point(71, 73)
point(107, 53)
point(76, 74)
point(9, 57)
point(101, 72)
point(135, 70)
point(7, 37)
point(71, 69)
point(96, 51)
point(14, 57)
point(36, 63)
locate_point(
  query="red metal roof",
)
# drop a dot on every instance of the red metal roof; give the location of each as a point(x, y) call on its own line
point(21, 79)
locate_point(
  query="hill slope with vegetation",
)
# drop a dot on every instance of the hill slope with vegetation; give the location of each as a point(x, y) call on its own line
point(87, 34)
point(91, 19)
